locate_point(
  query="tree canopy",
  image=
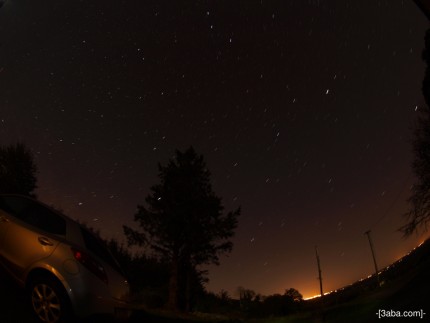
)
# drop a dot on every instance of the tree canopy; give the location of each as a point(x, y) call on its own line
point(183, 220)
point(418, 215)
point(17, 170)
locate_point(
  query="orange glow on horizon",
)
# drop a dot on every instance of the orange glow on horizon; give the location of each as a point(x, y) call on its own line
point(311, 295)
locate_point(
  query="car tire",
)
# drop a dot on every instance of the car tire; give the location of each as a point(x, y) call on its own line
point(48, 301)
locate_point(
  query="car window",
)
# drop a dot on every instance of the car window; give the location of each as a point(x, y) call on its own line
point(34, 214)
point(93, 244)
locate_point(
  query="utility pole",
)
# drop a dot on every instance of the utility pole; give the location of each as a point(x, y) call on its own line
point(319, 271)
point(373, 255)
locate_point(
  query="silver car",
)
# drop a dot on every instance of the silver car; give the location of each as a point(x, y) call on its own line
point(66, 270)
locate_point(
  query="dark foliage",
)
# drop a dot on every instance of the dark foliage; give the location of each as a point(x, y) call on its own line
point(221, 303)
point(17, 170)
point(184, 223)
point(251, 304)
point(280, 305)
point(419, 214)
point(148, 276)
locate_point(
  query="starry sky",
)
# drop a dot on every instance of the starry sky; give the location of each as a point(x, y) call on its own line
point(303, 111)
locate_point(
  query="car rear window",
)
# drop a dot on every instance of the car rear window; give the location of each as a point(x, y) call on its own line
point(34, 214)
point(96, 246)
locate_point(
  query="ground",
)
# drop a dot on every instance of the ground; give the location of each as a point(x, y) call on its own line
point(405, 288)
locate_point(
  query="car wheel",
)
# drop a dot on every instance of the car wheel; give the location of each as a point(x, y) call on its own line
point(49, 301)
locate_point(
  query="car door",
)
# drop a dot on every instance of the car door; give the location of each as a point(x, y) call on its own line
point(4, 221)
point(30, 235)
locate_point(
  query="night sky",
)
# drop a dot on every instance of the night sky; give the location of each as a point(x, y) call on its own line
point(303, 111)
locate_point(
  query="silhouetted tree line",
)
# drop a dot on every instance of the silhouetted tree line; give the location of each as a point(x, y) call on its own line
point(252, 304)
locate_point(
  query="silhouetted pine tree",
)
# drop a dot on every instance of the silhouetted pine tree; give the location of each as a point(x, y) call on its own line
point(184, 222)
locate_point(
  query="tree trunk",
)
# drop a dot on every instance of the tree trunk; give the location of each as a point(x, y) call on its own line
point(172, 303)
point(188, 290)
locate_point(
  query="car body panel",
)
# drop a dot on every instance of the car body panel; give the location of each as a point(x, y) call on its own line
point(26, 250)
point(31, 246)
